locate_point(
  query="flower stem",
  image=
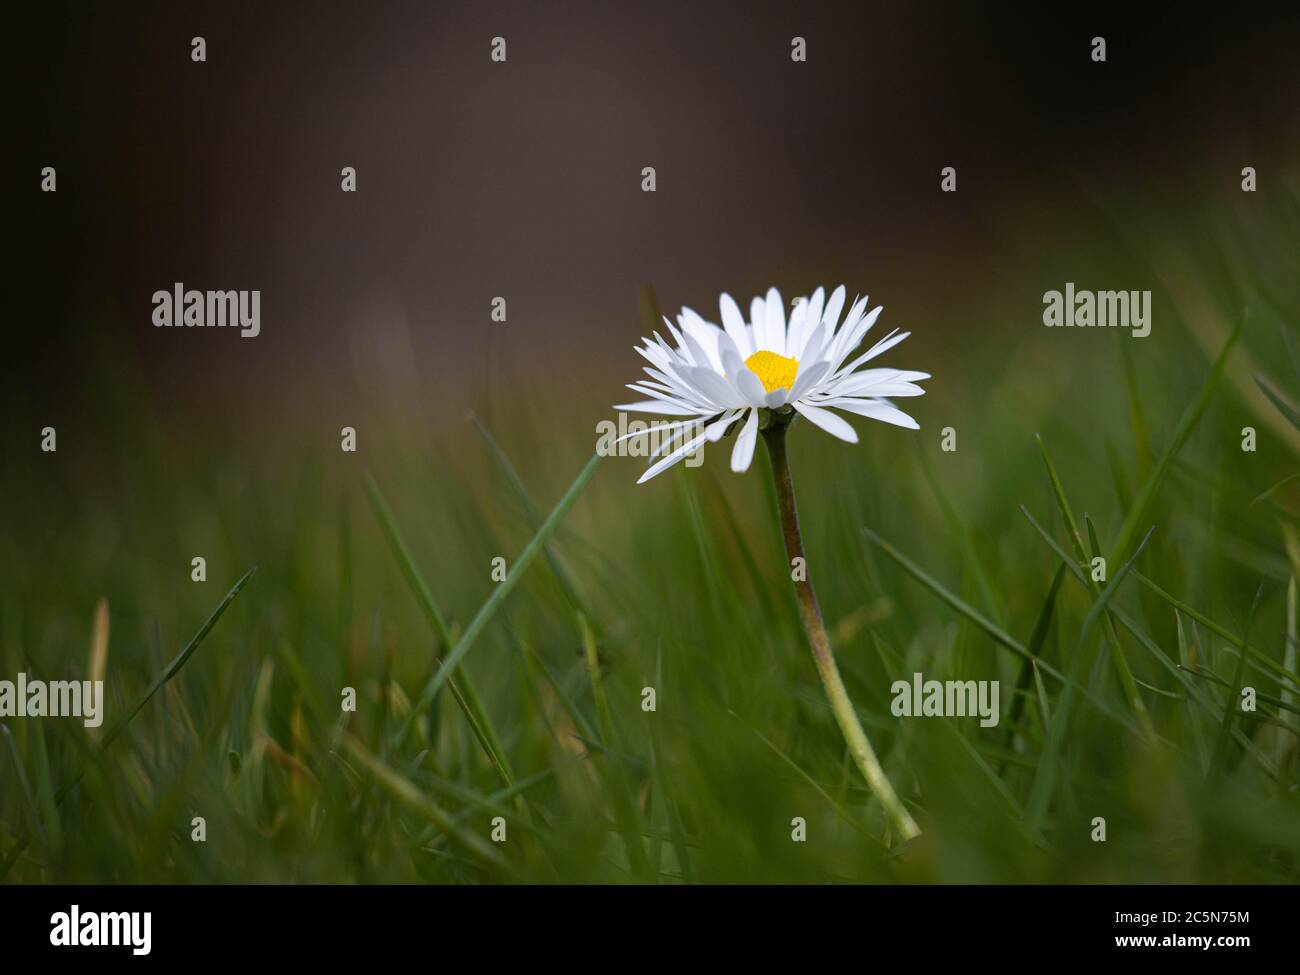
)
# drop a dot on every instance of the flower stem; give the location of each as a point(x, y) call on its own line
point(815, 627)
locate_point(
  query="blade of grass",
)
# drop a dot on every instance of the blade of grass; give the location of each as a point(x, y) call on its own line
point(994, 778)
point(1120, 662)
point(462, 690)
point(999, 635)
point(1276, 398)
point(530, 511)
point(738, 535)
point(1155, 652)
point(44, 782)
point(1029, 668)
point(537, 667)
point(1044, 710)
point(676, 830)
point(121, 724)
point(830, 800)
point(1292, 353)
point(493, 603)
point(1258, 655)
point(1136, 415)
point(1122, 492)
point(1120, 616)
point(1185, 662)
point(1137, 514)
point(408, 794)
point(1040, 795)
point(34, 824)
point(177, 663)
point(625, 808)
point(962, 532)
point(409, 571)
point(1265, 495)
point(1219, 759)
point(1278, 703)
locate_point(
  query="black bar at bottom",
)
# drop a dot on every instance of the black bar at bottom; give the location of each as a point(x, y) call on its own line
point(339, 924)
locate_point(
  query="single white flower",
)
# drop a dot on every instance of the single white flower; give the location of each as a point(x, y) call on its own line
point(762, 375)
point(716, 376)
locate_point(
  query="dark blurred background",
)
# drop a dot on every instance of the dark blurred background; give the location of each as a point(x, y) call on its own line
point(522, 179)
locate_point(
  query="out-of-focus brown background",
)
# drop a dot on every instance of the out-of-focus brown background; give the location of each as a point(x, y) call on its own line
point(522, 179)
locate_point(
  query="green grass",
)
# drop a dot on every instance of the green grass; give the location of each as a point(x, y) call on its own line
point(521, 700)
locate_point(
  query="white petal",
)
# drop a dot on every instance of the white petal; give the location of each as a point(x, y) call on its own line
point(836, 426)
point(664, 396)
point(757, 324)
point(775, 310)
point(808, 378)
point(678, 390)
point(732, 365)
point(816, 305)
point(853, 329)
point(878, 383)
point(655, 406)
point(672, 356)
point(698, 356)
point(660, 429)
point(884, 345)
point(751, 387)
point(705, 335)
point(734, 323)
point(886, 374)
point(671, 459)
point(711, 384)
point(675, 332)
point(851, 337)
point(727, 348)
point(667, 442)
point(813, 347)
point(897, 389)
point(831, 316)
point(876, 410)
point(797, 327)
point(775, 398)
point(743, 452)
point(718, 427)
point(653, 354)
point(663, 378)
point(679, 378)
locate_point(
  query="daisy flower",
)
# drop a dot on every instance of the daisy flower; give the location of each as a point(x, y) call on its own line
point(713, 377)
point(761, 375)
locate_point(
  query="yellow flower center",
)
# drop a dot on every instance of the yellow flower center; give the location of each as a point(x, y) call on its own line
point(775, 371)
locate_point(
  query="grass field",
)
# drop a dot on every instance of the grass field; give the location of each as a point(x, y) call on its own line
point(1119, 700)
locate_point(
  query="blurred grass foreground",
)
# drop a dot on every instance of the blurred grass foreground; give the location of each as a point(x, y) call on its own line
point(635, 702)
